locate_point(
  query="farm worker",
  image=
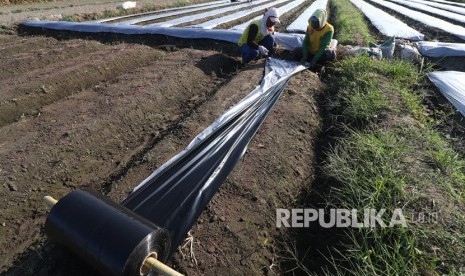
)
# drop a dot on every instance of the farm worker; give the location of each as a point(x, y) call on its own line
point(257, 39)
point(316, 45)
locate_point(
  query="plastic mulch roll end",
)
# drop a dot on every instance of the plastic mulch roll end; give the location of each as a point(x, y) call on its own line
point(108, 236)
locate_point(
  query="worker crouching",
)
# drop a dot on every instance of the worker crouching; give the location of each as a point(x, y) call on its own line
point(257, 39)
point(317, 42)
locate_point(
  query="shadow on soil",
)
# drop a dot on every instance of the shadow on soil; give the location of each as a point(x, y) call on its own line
point(221, 66)
point(161, 42)
point(47, 258)
point(308, 250)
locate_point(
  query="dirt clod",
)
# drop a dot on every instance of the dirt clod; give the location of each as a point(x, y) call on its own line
point(12, 186)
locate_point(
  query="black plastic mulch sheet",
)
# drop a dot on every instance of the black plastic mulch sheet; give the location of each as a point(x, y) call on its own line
point(175, 195)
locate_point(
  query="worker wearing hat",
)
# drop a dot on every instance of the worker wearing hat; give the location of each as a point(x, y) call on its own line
point(257, 39)
point(316, 45)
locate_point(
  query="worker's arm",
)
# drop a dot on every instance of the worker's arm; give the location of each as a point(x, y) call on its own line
point(325, 41)
point(305, 48)
point(253, 31)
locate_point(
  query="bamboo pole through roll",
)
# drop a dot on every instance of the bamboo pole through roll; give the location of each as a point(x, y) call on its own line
point(159, 267)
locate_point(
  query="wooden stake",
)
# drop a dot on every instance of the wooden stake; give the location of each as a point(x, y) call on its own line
point(50, 201)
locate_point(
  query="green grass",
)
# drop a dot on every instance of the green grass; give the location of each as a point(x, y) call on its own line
point(5, 29)
point(365, 105)
point(449, 163)
point(364, 88)
point(412, 104)
point(387, 154)
point(370, 169)
point(368, 164)
point(396, 161)
point(350, 26)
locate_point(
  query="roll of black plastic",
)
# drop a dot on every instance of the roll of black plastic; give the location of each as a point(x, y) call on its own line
point(112, 238)
point(116, 239)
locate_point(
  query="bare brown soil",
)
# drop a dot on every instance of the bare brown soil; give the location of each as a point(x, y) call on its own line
point(78, 113)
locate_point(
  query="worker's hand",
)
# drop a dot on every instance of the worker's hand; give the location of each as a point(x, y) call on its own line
point(312, 65)
point(262, 50)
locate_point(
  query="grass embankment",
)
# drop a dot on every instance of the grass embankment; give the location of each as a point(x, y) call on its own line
point(390, 156)
point(5, 29)
point(350, 26)
point(386, 151)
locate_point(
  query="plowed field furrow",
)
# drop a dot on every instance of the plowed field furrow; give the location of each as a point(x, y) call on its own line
point(17, 44)
point(102, 111)
point(239, 86)
point(21, 62)
point(456, 19)
point(81, 140)
point(292, 15)
point(431, 33)
point(44, 86)
point(261, 181)
point(163, 19)
point(8, 40)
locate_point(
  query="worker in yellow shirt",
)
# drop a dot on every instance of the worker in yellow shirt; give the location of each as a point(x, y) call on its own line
point(316, 45)
point(257, 39)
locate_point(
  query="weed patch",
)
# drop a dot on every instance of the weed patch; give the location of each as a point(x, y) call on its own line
point(388, 156)
point(351, 28)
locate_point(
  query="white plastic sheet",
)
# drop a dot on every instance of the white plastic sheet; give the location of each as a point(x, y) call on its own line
point(446, 7)
point(165, 12)
point(169, 14)
point(301, 23)
point(190, 18)
point(441, 49)
point(286, 41)
point(419, 6)
point(245, 24)
point(231, 17)
point(456, 30)
point(452, 86)
point(284, 9)
point(386, 23)
point(450, 2)
point(409, 53)
point(127, 5)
